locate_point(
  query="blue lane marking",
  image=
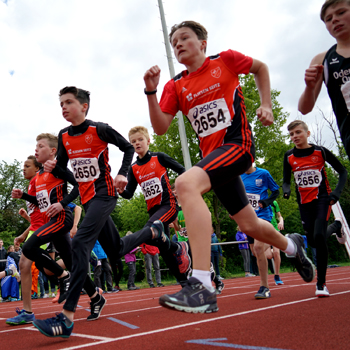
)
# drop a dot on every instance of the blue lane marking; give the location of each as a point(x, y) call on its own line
point(122, 323)
point(213, 342)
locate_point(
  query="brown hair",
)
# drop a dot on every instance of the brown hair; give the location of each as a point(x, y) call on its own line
point(83, 96)
point(36, 163)
point(140, 129)
point(296, 123)
point(200, 31)
point(329, 3)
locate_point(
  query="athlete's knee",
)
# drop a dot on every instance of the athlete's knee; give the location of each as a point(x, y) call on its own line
point(24, 263)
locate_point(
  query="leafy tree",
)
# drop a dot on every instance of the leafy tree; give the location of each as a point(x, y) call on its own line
point(11, 177)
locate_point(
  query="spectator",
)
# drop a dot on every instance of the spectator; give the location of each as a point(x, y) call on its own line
point(3, 255)
point(102, 267)
point(10, 286)
point(244, 249)
point(152, 257)
point(130, 260)
point(216, 252)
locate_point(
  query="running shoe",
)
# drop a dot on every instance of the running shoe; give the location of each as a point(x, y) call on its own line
point(152, 285)
point(34, 295)
point(193, 297)
point(55, 326)
point(263, 293)
point(21, 318)
point(160, 285)
point(118, 288)
point(64, 285)
point(302, 263)
point(113, 290)
point(133, 287)
point(96, 308)
point(220, 287)
point(158, 232)
point(46, 296)
point(15, 272)
point(249, 275)
point(93, 259)
point(278, 280)
point(322, 291)
point(55, 299)
point(340, 234)
point(182, 257)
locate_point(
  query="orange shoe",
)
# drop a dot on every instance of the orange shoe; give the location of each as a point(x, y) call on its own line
point(55, 299)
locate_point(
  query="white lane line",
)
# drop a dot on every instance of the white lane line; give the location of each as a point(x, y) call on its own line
point(198, 322)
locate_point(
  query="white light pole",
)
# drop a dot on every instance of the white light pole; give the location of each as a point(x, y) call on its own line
point(182, 131)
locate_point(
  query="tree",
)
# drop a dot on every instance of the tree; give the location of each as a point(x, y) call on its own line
point(11, 177)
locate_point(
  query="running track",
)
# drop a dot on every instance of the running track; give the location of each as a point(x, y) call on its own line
point(293, 318)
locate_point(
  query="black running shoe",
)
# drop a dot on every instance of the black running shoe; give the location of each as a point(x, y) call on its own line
point(55, 326)
point(219, 287)
point(302, 263)
point(193, 297)
point(263, 293)
point(96, 308)
point(158, 230)
point(64, 286)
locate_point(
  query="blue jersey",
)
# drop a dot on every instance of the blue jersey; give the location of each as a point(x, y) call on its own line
point(256, 185)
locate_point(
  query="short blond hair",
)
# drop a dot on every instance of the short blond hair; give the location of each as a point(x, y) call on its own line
point(296, 123)
point(52, 139)
point(140, 129)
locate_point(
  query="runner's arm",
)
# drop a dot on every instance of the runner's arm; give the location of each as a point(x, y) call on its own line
point(287, 170)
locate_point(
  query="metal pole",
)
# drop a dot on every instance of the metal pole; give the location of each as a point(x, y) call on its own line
point(182, 131)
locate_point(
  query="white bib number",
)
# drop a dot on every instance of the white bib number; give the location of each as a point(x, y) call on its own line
point(345, 89)
point(43, 200)
point(308, 178)
point(210, 117)
point(254, 200)
point(151, 188)
point(85, 169)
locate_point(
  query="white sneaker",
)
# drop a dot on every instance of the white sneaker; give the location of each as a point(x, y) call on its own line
point(220, 278)
point(46, 296)
point(15, 273)
point(53, 295)
point(323, 292)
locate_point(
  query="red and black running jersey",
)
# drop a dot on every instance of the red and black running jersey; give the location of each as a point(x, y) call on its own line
point(86, 146)
point(50, 189)
point(36, 219)
point(308, 167)
point(150, 172)
point(212, 100)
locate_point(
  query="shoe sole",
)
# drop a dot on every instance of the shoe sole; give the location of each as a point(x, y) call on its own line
point(19, 323)
point(278, 283)
point(99, 314)
point(322, 295)
point(200, 309)
point(300, 268)
point(261, 296)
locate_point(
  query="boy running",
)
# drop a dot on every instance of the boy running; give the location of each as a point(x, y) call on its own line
point(52, 198)
point(209, 94)
point(85, 144)
point(150, 172)
point(314, 195)
point(333, 67)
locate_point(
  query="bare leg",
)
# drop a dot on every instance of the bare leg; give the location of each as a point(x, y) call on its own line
point(277, 259)
point(259, 250)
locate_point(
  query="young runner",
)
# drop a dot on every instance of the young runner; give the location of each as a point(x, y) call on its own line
point(314, 195)
point(150, 172)
point(85, 144)
point(209, 94)
point(332, 67)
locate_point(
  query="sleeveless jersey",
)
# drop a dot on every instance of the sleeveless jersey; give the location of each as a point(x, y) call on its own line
point(49, 190)
point(256, 185)
point(36, 219)
point(309, 173)
point(337, 80)
point(212, 100)
point(88, 156)
point(154, 181)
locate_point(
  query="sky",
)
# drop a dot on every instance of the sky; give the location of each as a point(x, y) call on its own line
point(106, 47)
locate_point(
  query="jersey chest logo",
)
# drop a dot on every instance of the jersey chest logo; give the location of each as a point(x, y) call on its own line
point(216, 72)
point(88, 139)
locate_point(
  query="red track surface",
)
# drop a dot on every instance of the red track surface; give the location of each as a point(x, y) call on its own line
point(293, 318)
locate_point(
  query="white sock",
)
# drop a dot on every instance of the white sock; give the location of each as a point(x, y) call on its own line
point(203, 276)
point(291, 248)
